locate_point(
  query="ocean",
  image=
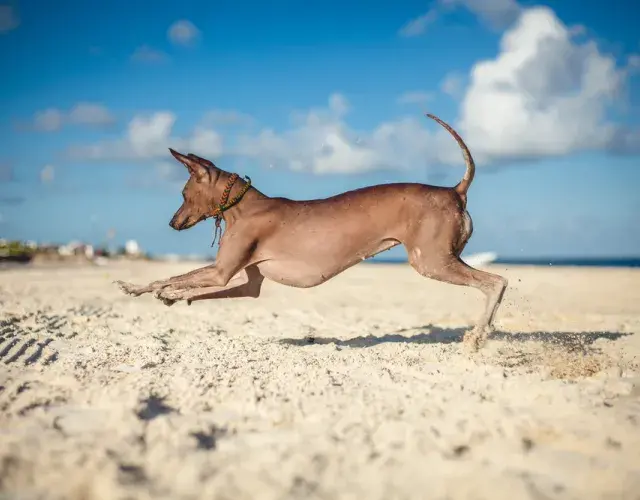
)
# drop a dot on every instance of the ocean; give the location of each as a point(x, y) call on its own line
point(619, 262)
point(551, 261)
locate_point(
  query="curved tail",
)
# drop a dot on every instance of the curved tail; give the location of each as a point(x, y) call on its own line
point(462, 186)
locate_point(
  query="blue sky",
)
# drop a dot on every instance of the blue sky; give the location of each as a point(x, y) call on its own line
point(313, 99)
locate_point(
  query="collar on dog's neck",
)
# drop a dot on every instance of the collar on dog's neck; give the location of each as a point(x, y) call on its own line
point(225, 204)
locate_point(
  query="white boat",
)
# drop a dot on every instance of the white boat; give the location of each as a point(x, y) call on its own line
point(480, 259)
point(100, 261)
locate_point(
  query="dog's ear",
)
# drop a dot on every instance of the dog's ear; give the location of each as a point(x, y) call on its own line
point(204, 161)
point(196, 169)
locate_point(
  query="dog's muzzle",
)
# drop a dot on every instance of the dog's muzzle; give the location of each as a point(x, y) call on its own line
point(174, 224)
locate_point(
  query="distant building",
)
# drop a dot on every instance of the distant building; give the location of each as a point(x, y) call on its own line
point(74, 248)
point(170, 257)
point(65, 250)
point(132, 248)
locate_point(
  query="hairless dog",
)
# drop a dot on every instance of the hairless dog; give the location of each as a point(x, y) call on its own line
point(305, 243)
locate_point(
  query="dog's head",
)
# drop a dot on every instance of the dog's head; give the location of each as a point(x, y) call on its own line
point(197, 192)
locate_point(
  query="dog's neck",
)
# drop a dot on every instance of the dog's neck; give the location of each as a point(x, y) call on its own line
point(220, 183)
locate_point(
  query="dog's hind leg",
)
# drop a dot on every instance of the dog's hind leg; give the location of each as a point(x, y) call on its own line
point(247, 283)
point(450, 268)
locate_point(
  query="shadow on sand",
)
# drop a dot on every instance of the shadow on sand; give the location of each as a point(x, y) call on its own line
point(436, 335)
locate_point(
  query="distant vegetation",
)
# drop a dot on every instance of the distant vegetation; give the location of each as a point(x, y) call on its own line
point(16, 251)
point(19, 251)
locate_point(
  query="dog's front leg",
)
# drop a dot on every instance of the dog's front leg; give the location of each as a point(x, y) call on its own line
point(233, 254)
point(136, 290)
point(232, 258)
point(246, 283)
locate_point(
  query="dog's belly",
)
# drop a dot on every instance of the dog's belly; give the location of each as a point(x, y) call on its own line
point(298, 274)
point(312, 269)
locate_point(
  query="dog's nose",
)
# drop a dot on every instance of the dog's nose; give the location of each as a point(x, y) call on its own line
point(172, 223)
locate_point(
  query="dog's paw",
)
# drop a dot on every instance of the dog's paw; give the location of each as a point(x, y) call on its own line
point(168, 302)
point(128, 288)
point(168, 297)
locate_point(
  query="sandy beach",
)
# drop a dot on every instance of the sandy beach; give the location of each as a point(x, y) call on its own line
point(357, 389)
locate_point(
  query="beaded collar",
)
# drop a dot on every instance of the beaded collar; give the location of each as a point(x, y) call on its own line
point(224, 205)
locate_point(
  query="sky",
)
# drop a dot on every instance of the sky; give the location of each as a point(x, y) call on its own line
point(313, 98)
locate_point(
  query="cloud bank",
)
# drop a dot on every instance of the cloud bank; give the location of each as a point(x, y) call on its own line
point(83, 113)
point(547, 92)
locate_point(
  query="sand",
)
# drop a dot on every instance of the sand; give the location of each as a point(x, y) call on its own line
point(357, 389)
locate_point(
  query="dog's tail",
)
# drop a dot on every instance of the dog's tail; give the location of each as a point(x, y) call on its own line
point(462, 186)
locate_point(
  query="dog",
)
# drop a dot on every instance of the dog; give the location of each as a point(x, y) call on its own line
point(305, 243)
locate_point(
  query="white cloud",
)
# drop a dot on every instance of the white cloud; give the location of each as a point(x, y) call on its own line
point(542, 95)
point(318, 140)
point(578, 30)
point(170, 172)
point(419, 25)
point(206, 142)
point(338, 104)
point(625, 141)
point(496, 13)
point(161, 174)
point(452, 84)
point(415, 97)
point(147, 138)
point(86, 113)
point(49, 120)
point(47, 174)
point(83, 113)
point(146, 134)
point(146, 54)
point(183, 32)
point(8, 19)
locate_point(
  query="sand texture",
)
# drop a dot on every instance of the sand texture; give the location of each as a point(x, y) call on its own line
point(357, 389)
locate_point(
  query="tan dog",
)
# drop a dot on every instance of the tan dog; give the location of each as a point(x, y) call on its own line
point(305, 243)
